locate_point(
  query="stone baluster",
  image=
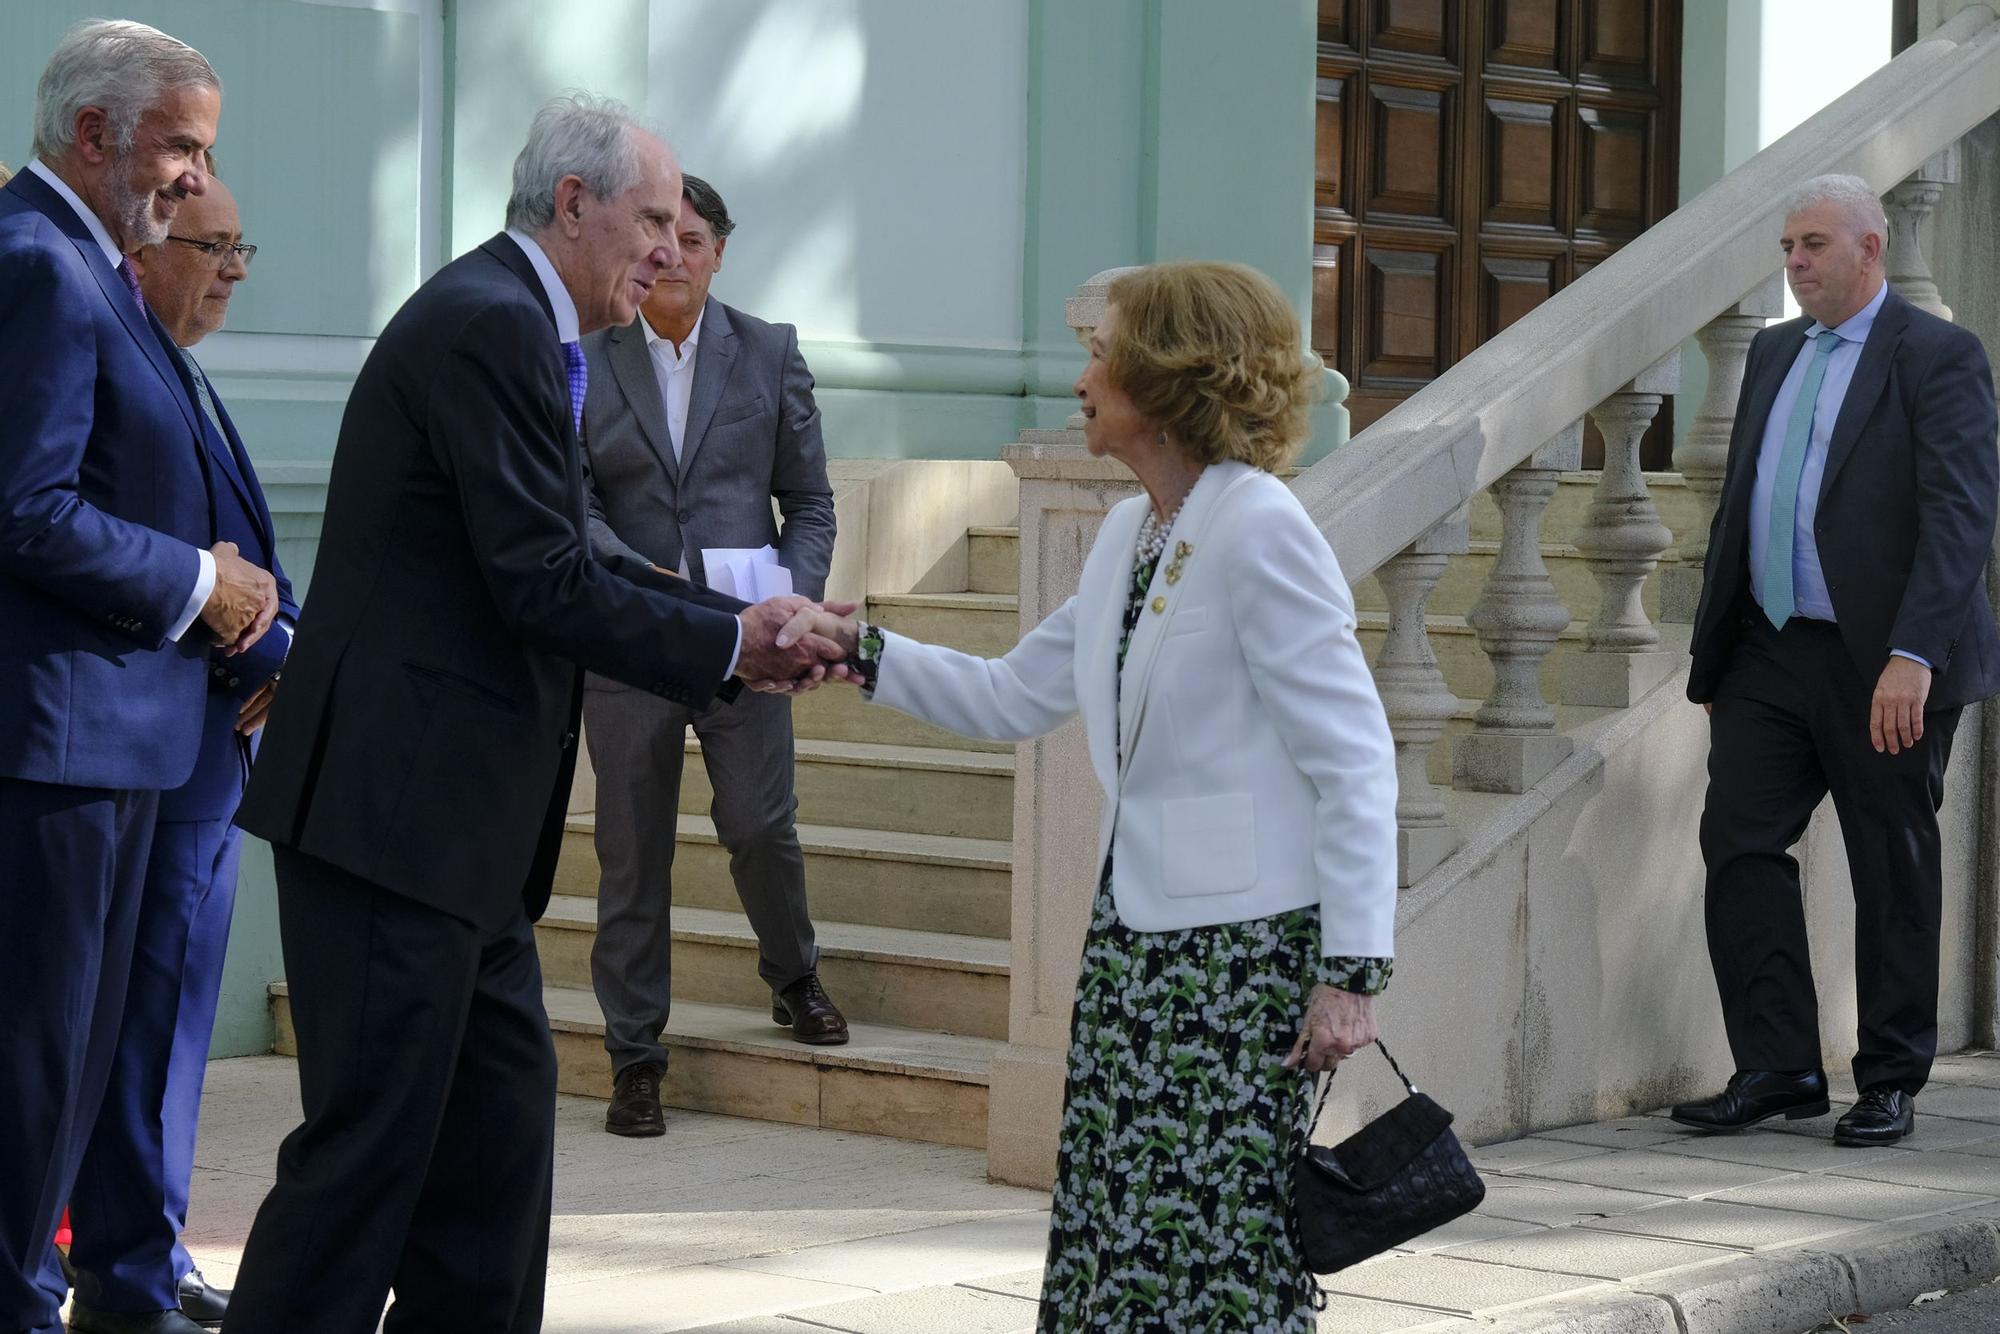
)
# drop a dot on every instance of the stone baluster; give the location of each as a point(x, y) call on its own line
point(1702, 454)
point(1518, 616)
point(1622, 540)
point(1909, 205)
point(1415, 696)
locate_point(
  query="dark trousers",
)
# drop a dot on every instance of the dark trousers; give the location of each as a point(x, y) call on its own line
point(424, 1163)
point(130, 1201)
point(637, 744)
point(1790, 726)
point(72, 863)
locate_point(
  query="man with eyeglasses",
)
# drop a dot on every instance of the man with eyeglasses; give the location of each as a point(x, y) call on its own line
point(133, 1276)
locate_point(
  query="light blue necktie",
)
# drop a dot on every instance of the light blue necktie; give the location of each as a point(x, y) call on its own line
point(1778, 601)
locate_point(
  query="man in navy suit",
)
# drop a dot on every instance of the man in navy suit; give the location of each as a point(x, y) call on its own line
point(109, 557)
point(1843, 626)
point(130, 1200)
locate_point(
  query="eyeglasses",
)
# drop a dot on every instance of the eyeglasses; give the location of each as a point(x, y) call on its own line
point(220, 252)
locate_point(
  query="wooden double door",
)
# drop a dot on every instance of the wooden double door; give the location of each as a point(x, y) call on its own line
point(1473, 158)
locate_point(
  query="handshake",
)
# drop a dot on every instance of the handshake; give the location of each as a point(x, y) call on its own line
point(791, 644)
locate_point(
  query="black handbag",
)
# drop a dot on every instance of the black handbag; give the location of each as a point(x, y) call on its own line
point(1397, 1177)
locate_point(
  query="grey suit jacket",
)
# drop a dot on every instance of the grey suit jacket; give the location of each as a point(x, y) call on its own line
point(753, 433)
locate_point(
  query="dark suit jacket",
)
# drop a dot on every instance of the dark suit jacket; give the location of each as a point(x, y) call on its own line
point(753, 433)
point(1906, 506)
point(215, 787)
point(425, 734)
point(104, 501)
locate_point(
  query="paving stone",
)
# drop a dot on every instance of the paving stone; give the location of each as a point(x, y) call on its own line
point(1714, 1223)
point(1634, 1132)
point(1358, 1315)
point(1946, 1132)
point(1560, 1203)
point(1942, 1169)
point(961, 1310)
point(1591, 1254)
point(1465, 1230)
point(1771, 1295)
point(1762, 1148)
point(1021, 1283)
point(1847, 1197)
point(1969, 1103)
point(1657, 1173)
point(950, 1254)
point(1448, 1285)
point(1523, 1154)
point(688, 1297)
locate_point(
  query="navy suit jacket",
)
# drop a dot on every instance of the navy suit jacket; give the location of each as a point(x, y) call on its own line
point(1906, 506)
point(216, 786)
point(104, 503)
point(425, 735)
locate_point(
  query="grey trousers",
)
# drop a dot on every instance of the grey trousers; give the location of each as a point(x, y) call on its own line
point(637, 743)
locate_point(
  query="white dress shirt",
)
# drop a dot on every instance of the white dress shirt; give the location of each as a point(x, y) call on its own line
point(204, 580)
point(568, 329)
point(675, 368)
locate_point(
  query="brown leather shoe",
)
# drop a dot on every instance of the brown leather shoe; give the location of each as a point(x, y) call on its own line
point(635, 1103)
point(805, 1008)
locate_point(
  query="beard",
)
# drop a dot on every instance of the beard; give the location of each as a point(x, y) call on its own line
point(132, 210)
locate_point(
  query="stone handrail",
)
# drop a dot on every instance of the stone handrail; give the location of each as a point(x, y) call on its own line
point(1424, 460)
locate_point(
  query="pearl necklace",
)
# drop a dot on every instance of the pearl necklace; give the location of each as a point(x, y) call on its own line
point(1153, 534)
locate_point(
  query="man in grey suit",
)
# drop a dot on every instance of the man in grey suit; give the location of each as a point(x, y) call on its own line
point(696, 418)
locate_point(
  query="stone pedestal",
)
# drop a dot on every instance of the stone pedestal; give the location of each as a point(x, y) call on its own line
point(1065, 494)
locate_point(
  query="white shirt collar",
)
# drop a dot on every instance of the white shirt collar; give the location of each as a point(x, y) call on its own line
point(112, 255)
point(1854, 329)
point(688, 344)
point(560, 301)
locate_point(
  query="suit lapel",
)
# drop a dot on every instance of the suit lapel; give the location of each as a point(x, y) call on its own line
point(1871, 376)
point(711, 372)
point(241, 473)
point(1191, 527)
point(632, 367)
point(1099, 606)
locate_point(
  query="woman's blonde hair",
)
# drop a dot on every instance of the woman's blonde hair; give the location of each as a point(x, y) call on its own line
point(1211, 352)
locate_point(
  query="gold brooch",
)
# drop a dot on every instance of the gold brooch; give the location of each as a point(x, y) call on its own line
point(1181, 553)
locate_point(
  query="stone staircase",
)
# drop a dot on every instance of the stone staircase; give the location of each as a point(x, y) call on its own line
point(907, 832)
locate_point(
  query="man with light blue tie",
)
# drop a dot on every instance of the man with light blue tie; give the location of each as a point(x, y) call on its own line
point(1843, 626)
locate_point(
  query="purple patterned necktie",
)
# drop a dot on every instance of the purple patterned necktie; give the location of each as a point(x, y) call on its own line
point(132, 282)
point(579, 380)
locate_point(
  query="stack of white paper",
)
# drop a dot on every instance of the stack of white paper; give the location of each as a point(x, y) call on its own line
point(749, 573)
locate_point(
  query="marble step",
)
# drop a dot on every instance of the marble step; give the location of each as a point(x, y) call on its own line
point(993, 556)
point(927, 980)
point(867, 877)
point(1678, 507)
point(1465, 577)
point(734, 1061)
point(986, 624)
point(831, 714)
point(866, 785)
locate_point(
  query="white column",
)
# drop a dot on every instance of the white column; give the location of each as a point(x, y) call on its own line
point(1415, 696)
point(1514, 742)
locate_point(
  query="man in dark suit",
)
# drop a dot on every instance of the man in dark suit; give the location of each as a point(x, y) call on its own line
point(108, 558)
point(417, 766)
point(700, 416)
point(1843, 626)
point(130, 1200)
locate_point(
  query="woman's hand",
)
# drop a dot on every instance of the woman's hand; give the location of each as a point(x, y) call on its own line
point(1337, 1024)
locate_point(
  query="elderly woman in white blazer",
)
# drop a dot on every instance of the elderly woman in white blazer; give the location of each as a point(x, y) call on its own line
point(1244, 914)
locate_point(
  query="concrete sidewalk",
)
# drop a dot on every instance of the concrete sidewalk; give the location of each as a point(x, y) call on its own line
point(741, 1227)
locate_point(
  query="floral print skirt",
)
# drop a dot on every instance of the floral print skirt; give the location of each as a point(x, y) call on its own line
point(1180, 1127)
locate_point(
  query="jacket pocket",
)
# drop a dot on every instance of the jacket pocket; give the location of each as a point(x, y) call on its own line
point(1208, 845)
point(461, 685)
point(736, 412)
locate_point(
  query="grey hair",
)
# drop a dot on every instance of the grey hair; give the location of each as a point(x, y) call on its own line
point(116, 65)
point(1853, 196)
point(574, 135)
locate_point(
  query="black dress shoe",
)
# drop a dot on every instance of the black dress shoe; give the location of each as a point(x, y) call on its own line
point(1880, 1115)
point(635, 1103)
point(86, 1320)
point(805, 1008)
point(201, 1303)
point(1757, 1095)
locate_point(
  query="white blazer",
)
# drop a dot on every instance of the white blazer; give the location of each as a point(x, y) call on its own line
point(1258, 775)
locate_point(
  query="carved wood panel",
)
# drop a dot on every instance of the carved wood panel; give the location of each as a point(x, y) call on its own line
point(1473, 158)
